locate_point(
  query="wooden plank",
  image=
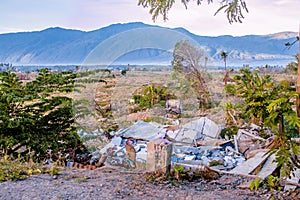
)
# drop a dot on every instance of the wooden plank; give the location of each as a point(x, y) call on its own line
point(293, 179)
point(250, 165)
point(268, 168)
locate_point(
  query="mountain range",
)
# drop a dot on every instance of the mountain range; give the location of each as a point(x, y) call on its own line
point(138, 43)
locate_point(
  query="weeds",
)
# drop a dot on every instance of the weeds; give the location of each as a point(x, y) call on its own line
point(254, 185)
point(17, 169)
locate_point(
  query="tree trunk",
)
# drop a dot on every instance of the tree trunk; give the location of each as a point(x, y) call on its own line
point(281, 126)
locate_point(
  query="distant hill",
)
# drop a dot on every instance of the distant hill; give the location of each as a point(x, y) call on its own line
point(136, 43)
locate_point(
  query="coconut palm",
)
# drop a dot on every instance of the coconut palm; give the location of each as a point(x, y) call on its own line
point(224, 56)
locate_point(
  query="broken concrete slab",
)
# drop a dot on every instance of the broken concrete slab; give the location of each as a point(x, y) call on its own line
point(143, 131)
point(250, 165)
point(187, 136)
point(293, 179)
point(268, 168)
point(203, 126)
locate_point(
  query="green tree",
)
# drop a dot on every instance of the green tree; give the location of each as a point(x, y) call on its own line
point(255, 90)
point(292, 66)
point(271, 104)
point(38, 115)
point(233, 8)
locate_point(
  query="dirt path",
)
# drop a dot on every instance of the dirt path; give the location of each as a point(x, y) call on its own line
point(109, 183)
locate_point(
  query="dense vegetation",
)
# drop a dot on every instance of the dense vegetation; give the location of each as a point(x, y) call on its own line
point(37, 116)
point(270, 103)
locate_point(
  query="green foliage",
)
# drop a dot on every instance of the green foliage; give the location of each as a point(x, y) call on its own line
point(150, 95)
point(54, 170)
point(234, 9)
point(274, 183)
point(254, 185)
point(234, 115)
point(16, 169)
point(178, 168)
point(229, 131)
point(271, 103)
point(256, 91)
point(38, 115)
point(229, 89)
point(179, 172)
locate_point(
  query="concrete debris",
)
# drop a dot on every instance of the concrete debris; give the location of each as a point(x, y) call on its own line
point(174, 106)
point(203, 126)
point(152, 146)
point(247, 142)
point(251, 164)
point(143, 131)
point(195, 142)
point(294, 179)
point(159, 156)
point(268, 168)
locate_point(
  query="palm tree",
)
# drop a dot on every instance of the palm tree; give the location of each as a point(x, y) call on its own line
point(224, 56)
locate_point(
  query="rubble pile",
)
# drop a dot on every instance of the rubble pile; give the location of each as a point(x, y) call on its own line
point(196, 143)
point(214, 152)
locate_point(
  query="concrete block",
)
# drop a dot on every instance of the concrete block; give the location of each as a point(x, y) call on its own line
point(159, 156)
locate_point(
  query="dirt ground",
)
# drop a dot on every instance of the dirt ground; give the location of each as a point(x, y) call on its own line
point(110, 183)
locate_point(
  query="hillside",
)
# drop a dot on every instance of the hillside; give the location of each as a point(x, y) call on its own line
point(136, 43)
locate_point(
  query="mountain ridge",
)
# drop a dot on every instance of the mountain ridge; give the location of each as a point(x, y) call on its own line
point(56, 45)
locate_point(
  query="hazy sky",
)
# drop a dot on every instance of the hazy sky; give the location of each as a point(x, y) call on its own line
point(264, 17)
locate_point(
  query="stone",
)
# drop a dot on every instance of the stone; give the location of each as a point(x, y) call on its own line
point(205, 160)
point(229, 162)
point(106, 147)
point(174, 105)
point(122, 162)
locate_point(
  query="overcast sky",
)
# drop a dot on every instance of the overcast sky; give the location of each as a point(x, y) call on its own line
point(264, 17)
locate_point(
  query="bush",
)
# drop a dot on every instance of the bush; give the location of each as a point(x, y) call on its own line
point(150, 95)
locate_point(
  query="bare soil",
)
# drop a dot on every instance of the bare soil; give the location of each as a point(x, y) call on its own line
point(110, 183)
